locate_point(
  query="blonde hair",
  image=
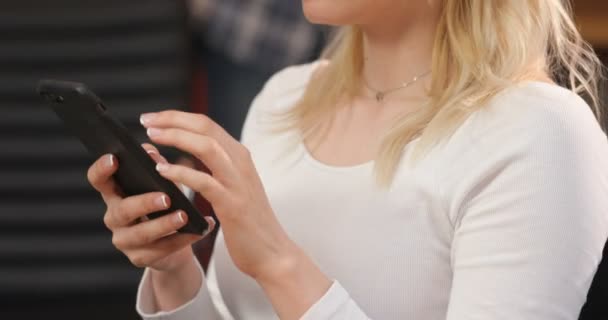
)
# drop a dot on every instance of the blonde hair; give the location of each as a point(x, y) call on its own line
point(481, 47)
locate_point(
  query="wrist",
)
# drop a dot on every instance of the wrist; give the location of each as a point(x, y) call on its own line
point(293, 284)
point(180, 268)
point(283, 267)
point(174, 287)
point(176, 262)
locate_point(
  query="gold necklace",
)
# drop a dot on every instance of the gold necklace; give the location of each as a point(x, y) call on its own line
point(381, 94)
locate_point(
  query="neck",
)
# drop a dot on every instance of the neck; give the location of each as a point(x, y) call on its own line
point(396, 52)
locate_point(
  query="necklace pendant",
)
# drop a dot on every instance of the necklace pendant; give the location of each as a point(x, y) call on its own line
point(379, 96)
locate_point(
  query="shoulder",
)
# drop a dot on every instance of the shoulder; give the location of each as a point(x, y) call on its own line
point(535, 147)
point(287, 85)
point(282, 91)
point(530, 133)
point(534, 114)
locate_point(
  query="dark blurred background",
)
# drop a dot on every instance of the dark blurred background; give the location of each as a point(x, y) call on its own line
point(592, 17)
point(56, 257)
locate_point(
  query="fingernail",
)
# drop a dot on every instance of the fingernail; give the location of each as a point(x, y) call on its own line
point(162, 202)
point(146, 118)
point(110, 160)
point(160, 167)
point(211, 222)
point(153, 132)
point(154, 155)
point(157, 157)
point(179, 218)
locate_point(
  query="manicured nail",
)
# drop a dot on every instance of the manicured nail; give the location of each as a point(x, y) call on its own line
point(145, 118)
point(160, 167)
point(211, 222)
point(110, 161)
point(153, 132)
point(180, 218)
point(162, 202)
point(157, 157)
point(154, 155)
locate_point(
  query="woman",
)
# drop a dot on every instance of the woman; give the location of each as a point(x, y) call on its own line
point(429, 168)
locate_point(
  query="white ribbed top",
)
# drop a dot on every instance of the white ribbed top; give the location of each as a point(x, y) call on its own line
point(507, 220)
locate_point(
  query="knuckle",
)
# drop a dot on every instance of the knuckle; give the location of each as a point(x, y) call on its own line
point(214, 146)
point(149, 204)
point(203, 184)
point(122, 214)
point(203, 122)
point(107, 220)
point(117, 242)
point(246, 165)
point(206, 125)
point(143, 237)
point(176, 171)
point(165, 226)
point(208, 147)
point(90, 177)
point(118, 214)
point(169, 134)
point(245, 153)
point(174, 136)
point(169, 115)
point(92, 174)
point(138, 260)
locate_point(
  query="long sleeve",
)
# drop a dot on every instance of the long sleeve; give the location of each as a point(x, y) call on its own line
point(506, 220)
point(200, 307)
point(530, 222)
point(336, 304)
point(530, 228)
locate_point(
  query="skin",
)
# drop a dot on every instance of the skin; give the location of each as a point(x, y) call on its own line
point(398, 45)
point(398, 37)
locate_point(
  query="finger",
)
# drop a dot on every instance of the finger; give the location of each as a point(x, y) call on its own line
point(161, 248)
point(168, 244)
point(147, 232)
point(212, 224)
point(100, 177)
point(207, 185)
point(158, 158)
point(150, 148)
point(135, 207)
point(206, 149)
point(153, 152)
point(193, 122)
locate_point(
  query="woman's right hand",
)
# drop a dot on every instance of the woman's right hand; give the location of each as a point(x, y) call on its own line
point(147, 243)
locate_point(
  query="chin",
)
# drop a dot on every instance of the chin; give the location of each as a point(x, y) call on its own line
point(333, 12)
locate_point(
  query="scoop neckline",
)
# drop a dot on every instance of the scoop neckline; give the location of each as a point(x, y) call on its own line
point(330, 167)
point(312, 160)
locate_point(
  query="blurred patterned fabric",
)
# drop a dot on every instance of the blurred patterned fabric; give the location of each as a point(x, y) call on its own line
point(268, 34)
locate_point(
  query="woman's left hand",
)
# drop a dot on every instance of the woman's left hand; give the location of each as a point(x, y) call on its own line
point(257, 243)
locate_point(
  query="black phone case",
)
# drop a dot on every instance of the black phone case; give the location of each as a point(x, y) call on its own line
point(87, 118)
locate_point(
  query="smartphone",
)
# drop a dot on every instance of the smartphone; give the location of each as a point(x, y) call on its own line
point(85, 115)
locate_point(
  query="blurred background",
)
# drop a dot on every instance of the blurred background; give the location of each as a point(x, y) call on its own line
point(207, 56)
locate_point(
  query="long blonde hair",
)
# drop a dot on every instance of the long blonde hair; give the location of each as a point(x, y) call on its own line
point(481, 47)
